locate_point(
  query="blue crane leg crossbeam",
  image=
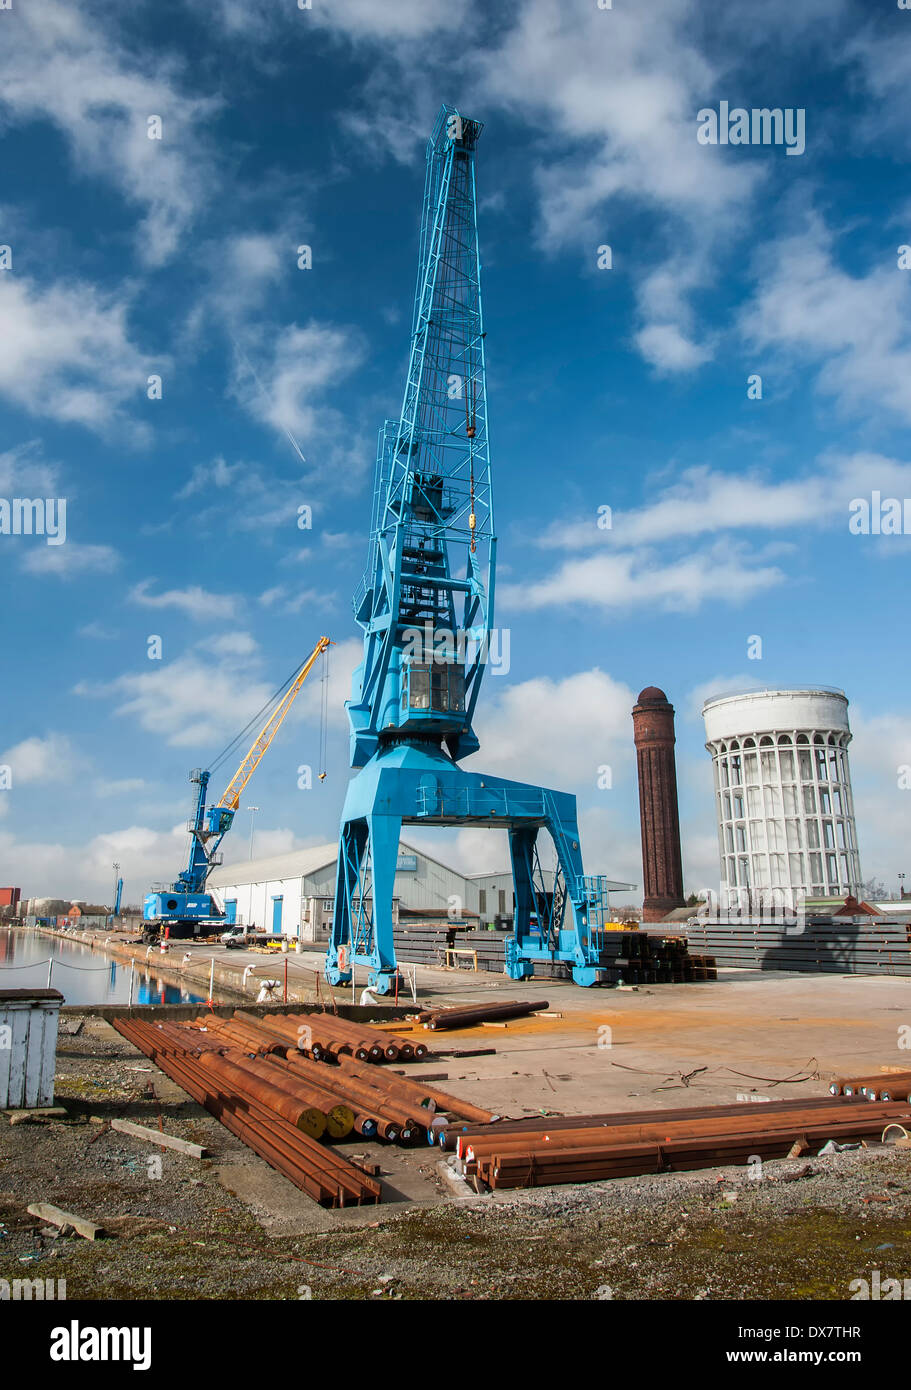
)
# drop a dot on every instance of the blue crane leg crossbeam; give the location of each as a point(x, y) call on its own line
point(415, 785)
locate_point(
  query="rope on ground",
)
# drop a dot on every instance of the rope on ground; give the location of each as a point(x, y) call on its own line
point(684, 1078)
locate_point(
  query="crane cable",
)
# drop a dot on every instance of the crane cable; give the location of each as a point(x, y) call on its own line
point(324, 716)
point(270, 703)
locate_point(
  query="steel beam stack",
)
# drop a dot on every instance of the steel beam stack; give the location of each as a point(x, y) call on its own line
point(895, 1085)
point(512, 1154)
point(829, 946)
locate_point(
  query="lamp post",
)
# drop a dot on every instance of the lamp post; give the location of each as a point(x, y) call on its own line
point(901, 886)
point(252, 810)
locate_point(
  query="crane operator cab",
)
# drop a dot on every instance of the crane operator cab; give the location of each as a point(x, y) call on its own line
point(433, 690)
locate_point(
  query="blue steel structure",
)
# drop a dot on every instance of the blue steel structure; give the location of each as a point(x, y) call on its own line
point(425, 605)
point(186, 905)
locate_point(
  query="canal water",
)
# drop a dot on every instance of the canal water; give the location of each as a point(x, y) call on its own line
point(83, 976)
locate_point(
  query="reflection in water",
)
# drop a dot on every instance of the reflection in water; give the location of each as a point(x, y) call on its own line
point(83, 976)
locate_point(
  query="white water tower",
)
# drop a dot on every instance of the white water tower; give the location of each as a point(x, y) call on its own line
point(783, 795)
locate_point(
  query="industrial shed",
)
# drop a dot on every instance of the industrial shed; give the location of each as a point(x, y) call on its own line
point(294, 893)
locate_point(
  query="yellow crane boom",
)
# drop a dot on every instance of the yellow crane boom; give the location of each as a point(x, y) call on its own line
point(235, 788)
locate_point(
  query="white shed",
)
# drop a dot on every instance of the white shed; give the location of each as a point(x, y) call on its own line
point(294, 893)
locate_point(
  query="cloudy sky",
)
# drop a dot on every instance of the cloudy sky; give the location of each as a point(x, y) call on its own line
point(132, 258)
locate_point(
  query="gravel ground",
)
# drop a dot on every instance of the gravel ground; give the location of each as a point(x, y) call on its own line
point(804, 1231)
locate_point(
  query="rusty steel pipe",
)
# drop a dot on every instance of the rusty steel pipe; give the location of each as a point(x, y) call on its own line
point(325, 1176)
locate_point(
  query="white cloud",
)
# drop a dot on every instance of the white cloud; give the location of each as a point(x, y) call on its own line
point(854, 327)
point(65, 66)
point(83, 870)
point(248, 497)
point(631, 579)
point(285, 384)
point(200, 700)
point(357, 20)
point(70, 558)
point(42, 760)
point(666, 347)
point(232, 644)
point(703, 500)
point(122, 786)
point(269, 597)
point(66, 352)
point(588, 719)
point(24, 473)
point(177, 700)
point(285, 600)
point(620, 90)
point(219, 475)
point(194, 601)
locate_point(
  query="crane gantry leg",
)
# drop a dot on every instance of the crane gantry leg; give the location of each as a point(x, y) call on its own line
point(408, 785)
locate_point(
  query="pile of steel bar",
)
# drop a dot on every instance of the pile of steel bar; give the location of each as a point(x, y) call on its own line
point(532, 1124)
point(319, 1035)
point(275, 1115)
point(404, 1110)
point(886, 1086)
point(649, 958)
point(467, 1015)
point(428, 1098)
point(330, 1097)
point(327, 1035)
point(392, 1106)
point(588, 1148)
point(828, 944)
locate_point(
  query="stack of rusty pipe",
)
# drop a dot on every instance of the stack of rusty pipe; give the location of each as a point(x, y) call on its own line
point(513, 1154)
point(405, 1108)
point(399, 1108)
point(468, 1015)
point(278, 1116)
point(320, 1035)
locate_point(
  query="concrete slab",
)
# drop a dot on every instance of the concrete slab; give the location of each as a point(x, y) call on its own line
point(747, 1035)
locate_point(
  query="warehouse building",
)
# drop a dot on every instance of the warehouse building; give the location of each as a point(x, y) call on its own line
point(294, 893)
point(491, 895)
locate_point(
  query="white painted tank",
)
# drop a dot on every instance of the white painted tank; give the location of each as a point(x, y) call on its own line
point(783, 797)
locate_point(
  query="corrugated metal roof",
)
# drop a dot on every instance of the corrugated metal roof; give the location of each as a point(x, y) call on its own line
point(613, 885)
point(297, 863)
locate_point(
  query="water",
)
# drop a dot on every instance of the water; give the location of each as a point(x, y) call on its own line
point(83, 976)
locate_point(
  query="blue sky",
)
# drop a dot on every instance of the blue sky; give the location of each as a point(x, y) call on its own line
point(624, 388)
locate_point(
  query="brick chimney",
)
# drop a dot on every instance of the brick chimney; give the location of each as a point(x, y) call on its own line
point(662, 870)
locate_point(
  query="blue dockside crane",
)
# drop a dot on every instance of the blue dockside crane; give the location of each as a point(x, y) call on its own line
point(425, 605)
point(186, 906)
